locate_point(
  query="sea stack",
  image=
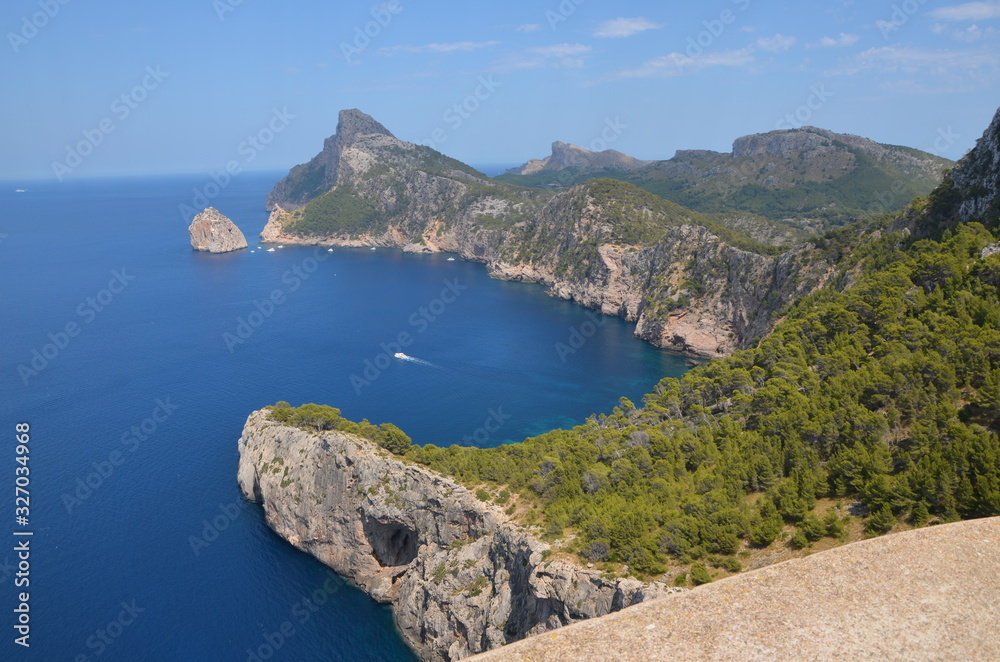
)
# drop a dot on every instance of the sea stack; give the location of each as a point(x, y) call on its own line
point(213, 232)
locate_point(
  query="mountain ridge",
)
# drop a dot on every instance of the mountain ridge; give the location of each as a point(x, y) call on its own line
point(783, 175)
point(688, 281)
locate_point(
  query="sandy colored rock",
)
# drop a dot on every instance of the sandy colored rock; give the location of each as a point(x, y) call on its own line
point(213, 232)
point(928, 594)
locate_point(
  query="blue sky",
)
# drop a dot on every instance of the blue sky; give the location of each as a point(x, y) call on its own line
point(189, 85)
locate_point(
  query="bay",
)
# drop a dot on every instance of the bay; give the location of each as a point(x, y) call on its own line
point(151, 356)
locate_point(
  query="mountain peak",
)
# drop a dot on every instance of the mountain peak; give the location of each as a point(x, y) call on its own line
point(568, 155)
point(353, 123)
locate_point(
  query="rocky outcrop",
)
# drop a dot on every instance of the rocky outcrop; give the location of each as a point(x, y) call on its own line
point(214, 233)
point(461, 578)
point(273, 232)
point(570, 156)
point(308, 180)
point(968, 193)
point(976, 179)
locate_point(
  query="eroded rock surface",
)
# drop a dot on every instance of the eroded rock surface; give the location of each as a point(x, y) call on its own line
point(213, 232)
point(461, 578)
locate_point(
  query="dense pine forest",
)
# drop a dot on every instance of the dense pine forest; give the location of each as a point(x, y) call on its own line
point(874, 404)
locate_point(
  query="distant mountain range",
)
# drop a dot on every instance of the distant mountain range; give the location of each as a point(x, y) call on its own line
point(705, 276)
point(689, 281)
point(810, 177)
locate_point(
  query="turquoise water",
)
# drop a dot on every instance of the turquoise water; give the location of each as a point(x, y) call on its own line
point(149, 359)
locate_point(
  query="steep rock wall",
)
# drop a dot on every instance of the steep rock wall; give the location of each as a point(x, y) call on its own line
point(460, 577)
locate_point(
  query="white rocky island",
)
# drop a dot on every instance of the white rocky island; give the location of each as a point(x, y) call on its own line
point(213, 232)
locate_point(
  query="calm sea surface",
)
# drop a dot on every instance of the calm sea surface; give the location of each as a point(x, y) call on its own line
point(136, 362)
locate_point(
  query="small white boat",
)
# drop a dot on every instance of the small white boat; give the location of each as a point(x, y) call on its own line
point(19, 190)
point(329, 250)
point(270, 250)
point(451, 259)
point(400, 355)
point(280, 246)
point(253, 251)
point(373, 248)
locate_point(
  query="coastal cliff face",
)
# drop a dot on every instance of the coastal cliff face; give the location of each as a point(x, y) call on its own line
point(460, 577)
point(688, 283)
point(213, 232)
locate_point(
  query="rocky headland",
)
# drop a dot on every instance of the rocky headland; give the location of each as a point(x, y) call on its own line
point(460, 576)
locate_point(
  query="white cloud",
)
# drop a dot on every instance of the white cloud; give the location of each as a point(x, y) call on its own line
point(625, 27)
point(969, 11)
point(556, 56)
point(910, 60)
point(561, 50)
point(779, 43)
point(974, 33)
point(452, 47)
point(843, 39)
point(529, 27)
point(678, 64)
point(562, 55)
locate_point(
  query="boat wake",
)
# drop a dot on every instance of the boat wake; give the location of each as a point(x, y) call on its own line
point(412, 359)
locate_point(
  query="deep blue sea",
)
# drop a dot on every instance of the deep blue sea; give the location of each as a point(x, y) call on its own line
point(136, 398)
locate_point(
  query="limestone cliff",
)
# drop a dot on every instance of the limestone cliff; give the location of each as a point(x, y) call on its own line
point(460, 577)
point(213, 232)
point(968, 193)
point(687, 282)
